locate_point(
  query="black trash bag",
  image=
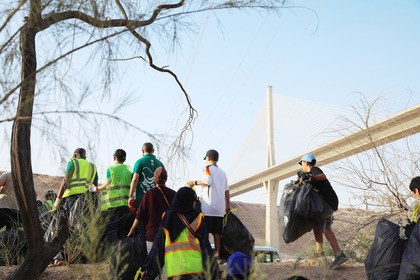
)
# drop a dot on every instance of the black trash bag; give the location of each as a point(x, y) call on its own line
point(410, 263)
point(384, 257)
point(294, 225)
point(235, 237)
point(310, 203)
point(128, 256)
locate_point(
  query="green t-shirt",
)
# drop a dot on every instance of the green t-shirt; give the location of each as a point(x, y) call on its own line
point(145, 167)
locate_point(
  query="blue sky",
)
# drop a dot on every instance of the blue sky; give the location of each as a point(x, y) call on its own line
point(321, 52)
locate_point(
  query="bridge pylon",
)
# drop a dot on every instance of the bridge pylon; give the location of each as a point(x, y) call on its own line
point(271, 186)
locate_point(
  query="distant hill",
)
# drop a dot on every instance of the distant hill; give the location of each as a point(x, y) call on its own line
point(43, 183)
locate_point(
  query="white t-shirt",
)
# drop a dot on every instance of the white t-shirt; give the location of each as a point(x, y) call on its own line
point(213, 201)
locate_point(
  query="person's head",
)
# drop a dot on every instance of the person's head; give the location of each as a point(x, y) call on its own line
point(50, 195)
point(147, 148)
point(185, 198)
point(79, 153)
point(307, 162)
point(160, 176)
point(211, 156)
point(238, 266)
point(120, 155)
point(415, 187)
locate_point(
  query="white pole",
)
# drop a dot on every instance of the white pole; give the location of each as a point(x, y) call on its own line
point(271, 186)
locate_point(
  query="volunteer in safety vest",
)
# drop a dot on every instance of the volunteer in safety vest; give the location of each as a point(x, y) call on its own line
point(114, 196)
point(181, 245)
point(80, 174)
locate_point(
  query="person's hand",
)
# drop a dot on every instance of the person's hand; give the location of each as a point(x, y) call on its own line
point(306, 176)
point(93, 188)
point(56, 204)
point(132, 232)
point(228, 209)
point(131, 204)
point(190, 184)
point(300, 173)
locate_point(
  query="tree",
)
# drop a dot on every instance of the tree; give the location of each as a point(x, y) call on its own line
point(379, 176)
point(109, 26)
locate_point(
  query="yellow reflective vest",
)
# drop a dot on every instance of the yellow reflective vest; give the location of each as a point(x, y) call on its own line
point(83, 174)
point(116, 194)
point(184, 256)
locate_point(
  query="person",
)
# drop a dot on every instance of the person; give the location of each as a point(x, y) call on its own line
point(80, 174)
point(9, 209)
point(114, 196)
point(215, 197)
point(50, 197)
point(143, 175)
point(239, 266)
point(319, 181)
point(155, 202)
point(414, 212)
point(181, 245)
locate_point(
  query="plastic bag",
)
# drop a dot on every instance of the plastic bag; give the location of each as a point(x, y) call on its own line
point(310, 203)
point(410, 263)
point(235, 237)
point(128, 256)
point(294, 225)
point(384, 257)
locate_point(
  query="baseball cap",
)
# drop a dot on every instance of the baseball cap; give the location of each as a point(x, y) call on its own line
point(120, 154)
point(212, 154)
point(307, 158)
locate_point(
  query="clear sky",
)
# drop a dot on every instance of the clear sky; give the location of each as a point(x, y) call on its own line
point(321, 52)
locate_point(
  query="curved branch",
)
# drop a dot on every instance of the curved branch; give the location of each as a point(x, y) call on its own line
point(57, 17)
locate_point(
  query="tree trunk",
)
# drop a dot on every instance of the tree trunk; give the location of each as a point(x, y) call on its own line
point(39, 252)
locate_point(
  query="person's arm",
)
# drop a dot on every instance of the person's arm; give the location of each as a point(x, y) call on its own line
point(104, 185)
point(227, 200)
point(317, 175)
point(197, 183)
point(133, 185)
point(62, 189)
point(133, 227)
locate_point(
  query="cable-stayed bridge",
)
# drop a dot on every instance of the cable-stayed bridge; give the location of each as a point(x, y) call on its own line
point(393, 128)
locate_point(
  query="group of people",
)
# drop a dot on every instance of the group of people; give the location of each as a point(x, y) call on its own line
point(176, 225)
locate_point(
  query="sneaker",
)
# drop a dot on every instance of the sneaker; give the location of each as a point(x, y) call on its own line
point(339, 260)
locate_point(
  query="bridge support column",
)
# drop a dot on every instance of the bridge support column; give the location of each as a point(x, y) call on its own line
point(271, 186)
point(271, 214)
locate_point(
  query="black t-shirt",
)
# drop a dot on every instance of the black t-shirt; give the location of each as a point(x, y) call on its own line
point(325, 189)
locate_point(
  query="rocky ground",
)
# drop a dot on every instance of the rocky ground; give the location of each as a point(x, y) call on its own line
point(282, 270)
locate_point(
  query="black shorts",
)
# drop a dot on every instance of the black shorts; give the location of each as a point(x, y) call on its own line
point(214, 225)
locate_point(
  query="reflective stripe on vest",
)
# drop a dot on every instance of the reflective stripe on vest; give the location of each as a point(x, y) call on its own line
point(83, 174)
point(117, 192)
point(184, 256)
